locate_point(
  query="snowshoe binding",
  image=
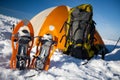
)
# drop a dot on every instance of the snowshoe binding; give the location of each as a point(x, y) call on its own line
point(22, 43)
point(44, 51)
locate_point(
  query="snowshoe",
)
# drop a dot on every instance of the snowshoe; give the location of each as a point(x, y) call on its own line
point(44, 52)
point(21, 37)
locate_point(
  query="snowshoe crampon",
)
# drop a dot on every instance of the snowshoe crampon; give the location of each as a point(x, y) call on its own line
point(21, 62)
point(20, 50)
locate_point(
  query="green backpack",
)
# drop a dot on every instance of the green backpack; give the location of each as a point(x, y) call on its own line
point(80, 30)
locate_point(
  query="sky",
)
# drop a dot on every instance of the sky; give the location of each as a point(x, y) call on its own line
point(106, 13)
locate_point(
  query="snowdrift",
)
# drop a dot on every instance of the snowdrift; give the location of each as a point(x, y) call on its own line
point(62, 67)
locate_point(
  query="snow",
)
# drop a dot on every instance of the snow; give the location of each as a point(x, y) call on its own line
point(62, 67)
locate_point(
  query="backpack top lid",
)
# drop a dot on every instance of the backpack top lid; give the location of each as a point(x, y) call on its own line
point(80, 12)
point(86, 7)
point(23, 31)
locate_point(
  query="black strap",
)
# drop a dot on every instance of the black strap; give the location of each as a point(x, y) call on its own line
point(24, 39)
point(63, 27)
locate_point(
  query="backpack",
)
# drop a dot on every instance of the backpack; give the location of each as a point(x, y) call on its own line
point(80, 30)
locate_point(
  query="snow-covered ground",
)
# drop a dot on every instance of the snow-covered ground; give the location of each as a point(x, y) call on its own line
point(62, 67)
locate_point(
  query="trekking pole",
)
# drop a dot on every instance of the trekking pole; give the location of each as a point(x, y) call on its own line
point(115, 44)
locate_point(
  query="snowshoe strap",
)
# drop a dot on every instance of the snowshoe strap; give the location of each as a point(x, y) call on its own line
point(24, 40)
